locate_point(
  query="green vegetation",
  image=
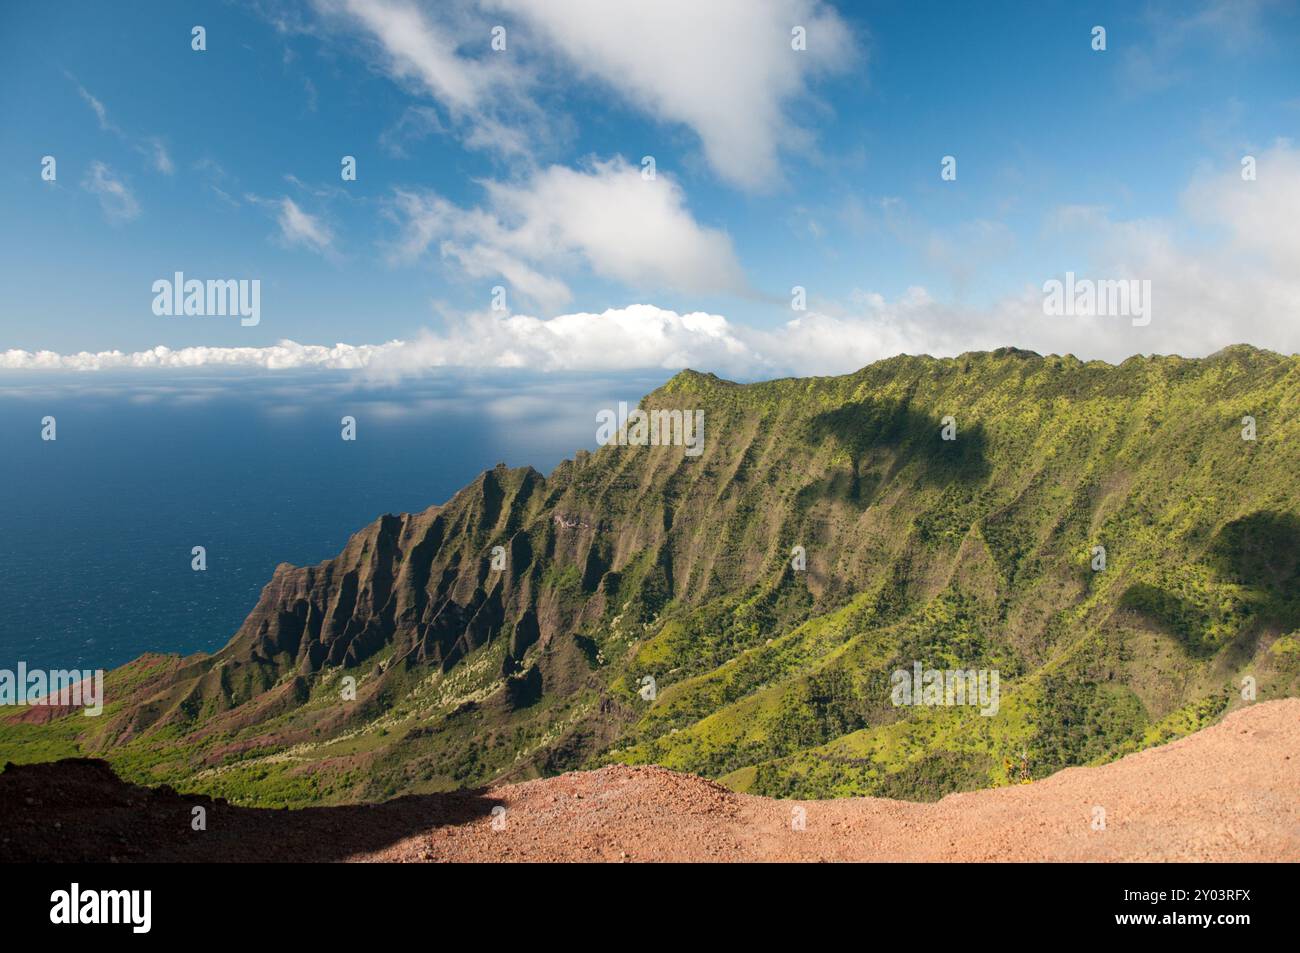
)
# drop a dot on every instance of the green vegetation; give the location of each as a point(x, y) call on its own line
point(636, 567)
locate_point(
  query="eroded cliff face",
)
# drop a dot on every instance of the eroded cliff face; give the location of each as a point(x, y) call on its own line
point(432, 588)
point(421, 584)
point(826, 535)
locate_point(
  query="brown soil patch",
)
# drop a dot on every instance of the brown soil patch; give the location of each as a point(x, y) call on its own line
point(1228, 793)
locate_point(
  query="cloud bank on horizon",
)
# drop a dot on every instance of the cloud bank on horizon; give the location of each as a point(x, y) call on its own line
point(752, 187)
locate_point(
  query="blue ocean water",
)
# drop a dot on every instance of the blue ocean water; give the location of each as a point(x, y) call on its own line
point(97, 526)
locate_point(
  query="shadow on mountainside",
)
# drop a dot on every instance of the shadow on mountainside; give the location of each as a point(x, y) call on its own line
point(1260, 553)
point(78, 810)
point(883, 438)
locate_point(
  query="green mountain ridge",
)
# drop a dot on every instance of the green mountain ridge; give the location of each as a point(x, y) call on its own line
point(636, 563)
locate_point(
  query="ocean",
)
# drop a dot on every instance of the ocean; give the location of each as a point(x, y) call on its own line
point(97, 526)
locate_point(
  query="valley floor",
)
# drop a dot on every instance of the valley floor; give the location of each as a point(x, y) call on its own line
point(1230, 792)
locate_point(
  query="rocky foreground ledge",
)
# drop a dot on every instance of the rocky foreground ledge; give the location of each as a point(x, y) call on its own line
point(1228, 793)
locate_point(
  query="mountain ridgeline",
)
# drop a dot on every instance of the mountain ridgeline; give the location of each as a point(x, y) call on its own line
point(646, 606)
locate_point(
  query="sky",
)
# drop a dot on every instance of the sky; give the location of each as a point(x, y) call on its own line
point(601, 185)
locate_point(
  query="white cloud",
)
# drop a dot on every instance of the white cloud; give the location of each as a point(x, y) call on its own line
point(1231, 279)
point(620, 225)
point(724, 68)
point(415, 123)
point(626, 338)
point(115, 198)
point(1218, 27)
point(287, 355)
point(157, 152)
point(297, 227)
point(1262, 218)
point(1222, 273)
point(101, 113)
point(422, 49)
point(151, 147)
point(637, 336)
point(1235, 283)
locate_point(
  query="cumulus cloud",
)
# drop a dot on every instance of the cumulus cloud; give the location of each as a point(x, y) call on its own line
point(618, 339)
point(1234, 282)
point(1221, 273)
point(620, 225)
point(1261, 218)
point(115, 198)
point(639, 336)
point(726, 69)
point(287, 355)
point(1230, 279)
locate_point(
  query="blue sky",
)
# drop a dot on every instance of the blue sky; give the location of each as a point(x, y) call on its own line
point(774, 168)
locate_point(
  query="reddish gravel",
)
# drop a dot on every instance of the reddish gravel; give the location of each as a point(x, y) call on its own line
point(1231, 792)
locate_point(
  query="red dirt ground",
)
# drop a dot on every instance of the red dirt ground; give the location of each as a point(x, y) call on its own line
point(1230, 792)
